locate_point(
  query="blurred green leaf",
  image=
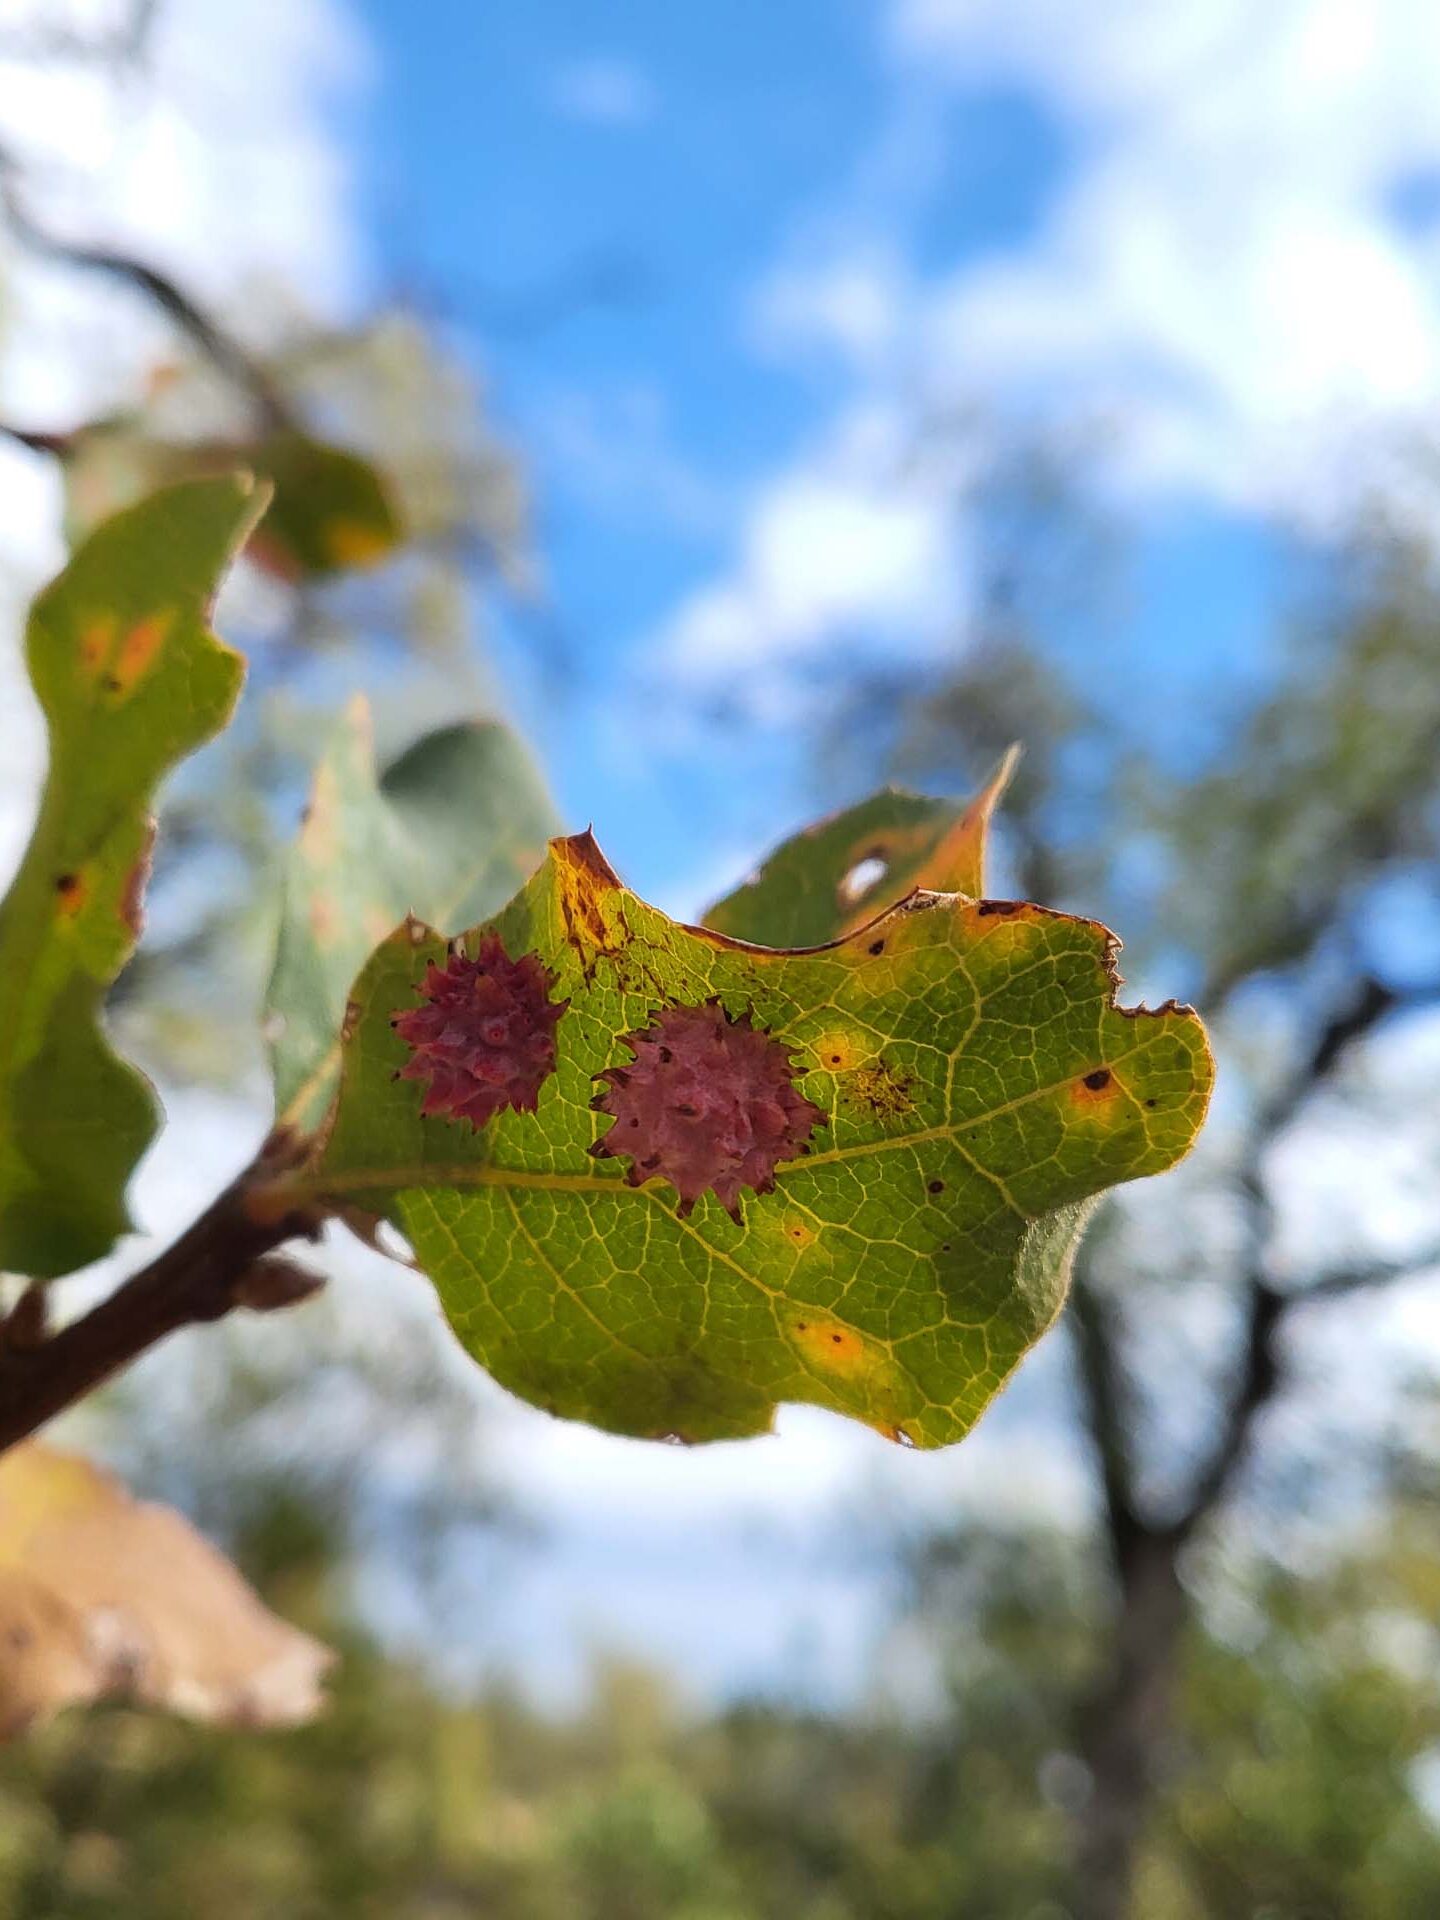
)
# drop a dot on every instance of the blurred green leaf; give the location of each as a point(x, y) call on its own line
point(331, 511)
point(977, 1087)
point(839, 873)
point(131, 680)
point(456, 824)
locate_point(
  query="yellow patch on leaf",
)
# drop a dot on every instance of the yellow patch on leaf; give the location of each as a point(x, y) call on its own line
point(351, 543)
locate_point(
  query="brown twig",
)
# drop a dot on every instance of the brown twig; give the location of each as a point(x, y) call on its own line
point(214, 341)
point(223, 1261)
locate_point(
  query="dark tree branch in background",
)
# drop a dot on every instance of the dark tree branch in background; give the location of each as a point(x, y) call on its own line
point(225, 1260)
point(36, 441)
point(1104, 1391)
point(215, 342)
point(1124, 1727)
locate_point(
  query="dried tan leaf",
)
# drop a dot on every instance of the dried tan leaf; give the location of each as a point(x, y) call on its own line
point(103, 1594)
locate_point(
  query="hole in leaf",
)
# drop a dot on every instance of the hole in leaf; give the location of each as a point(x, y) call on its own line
point(864, 875)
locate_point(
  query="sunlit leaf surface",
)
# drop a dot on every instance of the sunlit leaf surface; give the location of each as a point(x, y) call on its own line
point(972, 1084)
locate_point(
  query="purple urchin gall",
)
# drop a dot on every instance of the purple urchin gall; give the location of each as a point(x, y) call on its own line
point(485, 1038)
point(710, 1104)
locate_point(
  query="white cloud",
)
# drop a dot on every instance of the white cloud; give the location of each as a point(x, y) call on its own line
point(843, 549)
point(855, 302)
point(604, 91)
point(221, 159)
point(1220, 300)
point(1223, 263)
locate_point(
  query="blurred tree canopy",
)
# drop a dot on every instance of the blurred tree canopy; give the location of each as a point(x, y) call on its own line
point(1298, 1779)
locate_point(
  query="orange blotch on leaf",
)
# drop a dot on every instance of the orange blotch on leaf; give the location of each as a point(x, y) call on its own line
point(72, 890)
point(351, 543)
point(140, 647)
point(839, 1052)
point(830, 1347)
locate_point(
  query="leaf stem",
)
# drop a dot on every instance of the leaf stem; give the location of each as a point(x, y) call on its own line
point(223, 1261)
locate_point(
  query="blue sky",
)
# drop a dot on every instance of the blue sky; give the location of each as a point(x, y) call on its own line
point(1197, 246)
point(685, 150)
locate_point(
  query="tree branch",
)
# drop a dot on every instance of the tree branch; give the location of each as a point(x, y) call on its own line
point(1265, 1303)
point(218, 345)
point(223, 1261)
point(1102, 1386)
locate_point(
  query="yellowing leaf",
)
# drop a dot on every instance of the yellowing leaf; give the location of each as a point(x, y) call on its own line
point(834, 876)
point(951, 1086)
point(102, 1594)
point(130, 679)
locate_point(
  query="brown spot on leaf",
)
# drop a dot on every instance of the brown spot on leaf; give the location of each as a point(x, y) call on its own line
point(97, 637)
point(879, 1090)
point(1096, 1090)
point(591, 898)
point(935, 1186)
point(132, 894)
point(71, 892)
point(1002, 909)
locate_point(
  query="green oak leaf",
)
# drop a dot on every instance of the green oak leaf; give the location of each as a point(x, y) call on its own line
point(455, 825)
point(980, 1088)
point(130, 680)
point(834, 876)
point(330, 513)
